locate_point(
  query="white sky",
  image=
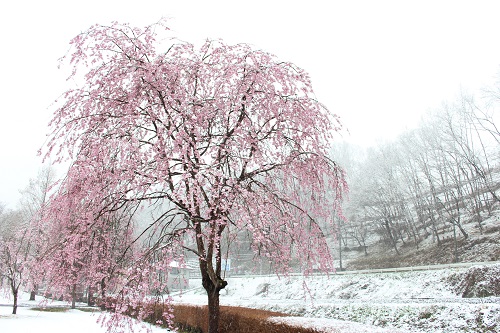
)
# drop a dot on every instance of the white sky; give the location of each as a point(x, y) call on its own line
point(378, 64)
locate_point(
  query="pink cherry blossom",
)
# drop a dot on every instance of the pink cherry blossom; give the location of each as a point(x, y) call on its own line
point(217, 140)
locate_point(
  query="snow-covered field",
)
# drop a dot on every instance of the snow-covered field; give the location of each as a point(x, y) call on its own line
point(404, 302)
point(30, 320)
point(382, 302)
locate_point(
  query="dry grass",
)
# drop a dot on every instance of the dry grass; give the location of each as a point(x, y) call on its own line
point(232, 320)
point(194, 319)
point(51, 309)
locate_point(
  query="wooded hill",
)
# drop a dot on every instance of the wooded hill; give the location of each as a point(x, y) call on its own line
point(430, 196)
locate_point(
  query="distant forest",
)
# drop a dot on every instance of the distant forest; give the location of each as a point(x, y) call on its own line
point(430, 181)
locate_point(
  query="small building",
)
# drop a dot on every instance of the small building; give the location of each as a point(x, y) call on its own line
point(178, 276)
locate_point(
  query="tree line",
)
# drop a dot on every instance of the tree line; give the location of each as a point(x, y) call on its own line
point(428, 182)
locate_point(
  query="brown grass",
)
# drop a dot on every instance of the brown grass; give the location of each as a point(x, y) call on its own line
point(194, 319)
point(233, 319)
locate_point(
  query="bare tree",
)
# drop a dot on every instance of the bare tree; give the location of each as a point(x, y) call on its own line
point(15, 249)
point(34, 198)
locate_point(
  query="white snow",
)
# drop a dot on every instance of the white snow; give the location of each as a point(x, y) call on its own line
point(331, 325)
point(28, 320)
point(383, 302)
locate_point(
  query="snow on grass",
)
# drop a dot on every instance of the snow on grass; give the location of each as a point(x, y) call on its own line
point(416, 302)
point(426, 301)
point(435, 318)
point(33, 317)
point(28, 321)
point(331, 325)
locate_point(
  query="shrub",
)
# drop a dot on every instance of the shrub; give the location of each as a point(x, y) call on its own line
point(479, 281)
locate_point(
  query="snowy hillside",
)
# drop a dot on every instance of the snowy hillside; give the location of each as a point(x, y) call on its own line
point(429, 301)
point(478, 247)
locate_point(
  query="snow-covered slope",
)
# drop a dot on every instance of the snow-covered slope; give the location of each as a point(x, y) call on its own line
point(428, 301)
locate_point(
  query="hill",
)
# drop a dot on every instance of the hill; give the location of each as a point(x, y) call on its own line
point(480, 246)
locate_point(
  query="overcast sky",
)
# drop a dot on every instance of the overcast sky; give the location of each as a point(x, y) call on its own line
point(378, 64)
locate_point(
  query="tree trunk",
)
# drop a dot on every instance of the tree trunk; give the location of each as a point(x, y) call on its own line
point(391, 237)
point(213, 311)
point(340, 255)
point(455, 251)
point(462, 230)
point(15, 294)
point(33, 293)
point(459, 223)
point(434, 227)
point(213, 290)
point(73, 296)
point(90, 296)
point(103, 289)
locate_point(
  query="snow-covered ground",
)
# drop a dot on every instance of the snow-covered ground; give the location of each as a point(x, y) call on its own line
point(418, 302)
point(424, 301)
point(29, 320)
